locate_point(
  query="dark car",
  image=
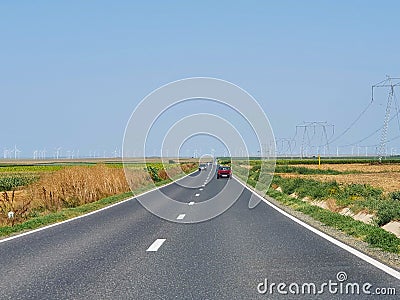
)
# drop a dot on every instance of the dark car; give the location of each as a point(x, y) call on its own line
point(202, 167)
point(224, 171)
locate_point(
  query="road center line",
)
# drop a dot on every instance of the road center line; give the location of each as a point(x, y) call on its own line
point(180, 217)
point(157, 244)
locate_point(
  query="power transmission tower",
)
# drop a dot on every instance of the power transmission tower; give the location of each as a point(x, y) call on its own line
point(391, 83)
point(313, 127)
point(285, 146)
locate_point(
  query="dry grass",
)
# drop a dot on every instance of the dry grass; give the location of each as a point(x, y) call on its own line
point(8, 203)
point(73, 186)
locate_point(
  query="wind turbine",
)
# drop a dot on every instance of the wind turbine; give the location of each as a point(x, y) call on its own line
point(16, 152)
point(58, 150)
point(6, 153)
point(43, 153)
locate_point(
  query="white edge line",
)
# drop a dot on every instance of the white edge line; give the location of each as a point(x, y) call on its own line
point(90, 213)
point(342, 245)
point(156, 245)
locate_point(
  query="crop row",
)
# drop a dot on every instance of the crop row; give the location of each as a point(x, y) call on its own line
point(12, 182)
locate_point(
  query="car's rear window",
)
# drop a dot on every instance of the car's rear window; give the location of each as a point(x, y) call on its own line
point(224, 168)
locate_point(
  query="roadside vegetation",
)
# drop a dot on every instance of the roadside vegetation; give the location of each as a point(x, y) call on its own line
point(333, 161)
point(301, 194)
point(38, 195)
point(304, 170)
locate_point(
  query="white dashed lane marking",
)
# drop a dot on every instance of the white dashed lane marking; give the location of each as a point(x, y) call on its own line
point(197, 195)
point(191, 203)
point(180, 217)
point(157, 244)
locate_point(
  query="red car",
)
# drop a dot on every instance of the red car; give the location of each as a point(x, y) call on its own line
point(224, 171)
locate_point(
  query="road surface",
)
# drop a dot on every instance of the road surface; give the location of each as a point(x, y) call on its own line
point(125, 252)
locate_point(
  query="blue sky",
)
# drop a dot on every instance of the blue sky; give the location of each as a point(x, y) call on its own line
point(71, 72)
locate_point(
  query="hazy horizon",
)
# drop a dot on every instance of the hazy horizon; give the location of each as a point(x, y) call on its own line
point(73, 72)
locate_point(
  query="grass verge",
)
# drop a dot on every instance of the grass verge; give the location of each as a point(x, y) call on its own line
point(373, 235)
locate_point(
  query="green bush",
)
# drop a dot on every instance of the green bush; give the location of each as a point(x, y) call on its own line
point(307, 187)
point(225, 162)
point(395, 196)
point(388, 210)
point(380, 238)
point(153, 172)
point(304, 170)
point(361, 191)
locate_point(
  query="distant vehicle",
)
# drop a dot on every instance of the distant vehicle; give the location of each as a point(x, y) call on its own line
point(202, 167)
point(224, 171)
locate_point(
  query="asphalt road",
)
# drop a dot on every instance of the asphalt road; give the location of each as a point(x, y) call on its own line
point(105, 255)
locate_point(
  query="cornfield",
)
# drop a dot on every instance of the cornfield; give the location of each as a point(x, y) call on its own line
point(28, 194)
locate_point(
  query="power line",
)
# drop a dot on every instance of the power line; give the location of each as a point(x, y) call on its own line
point(351, 124)
point(368, 136)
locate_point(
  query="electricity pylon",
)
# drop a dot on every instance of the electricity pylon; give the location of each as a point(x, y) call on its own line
point(391, 83)
point(314, 127)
